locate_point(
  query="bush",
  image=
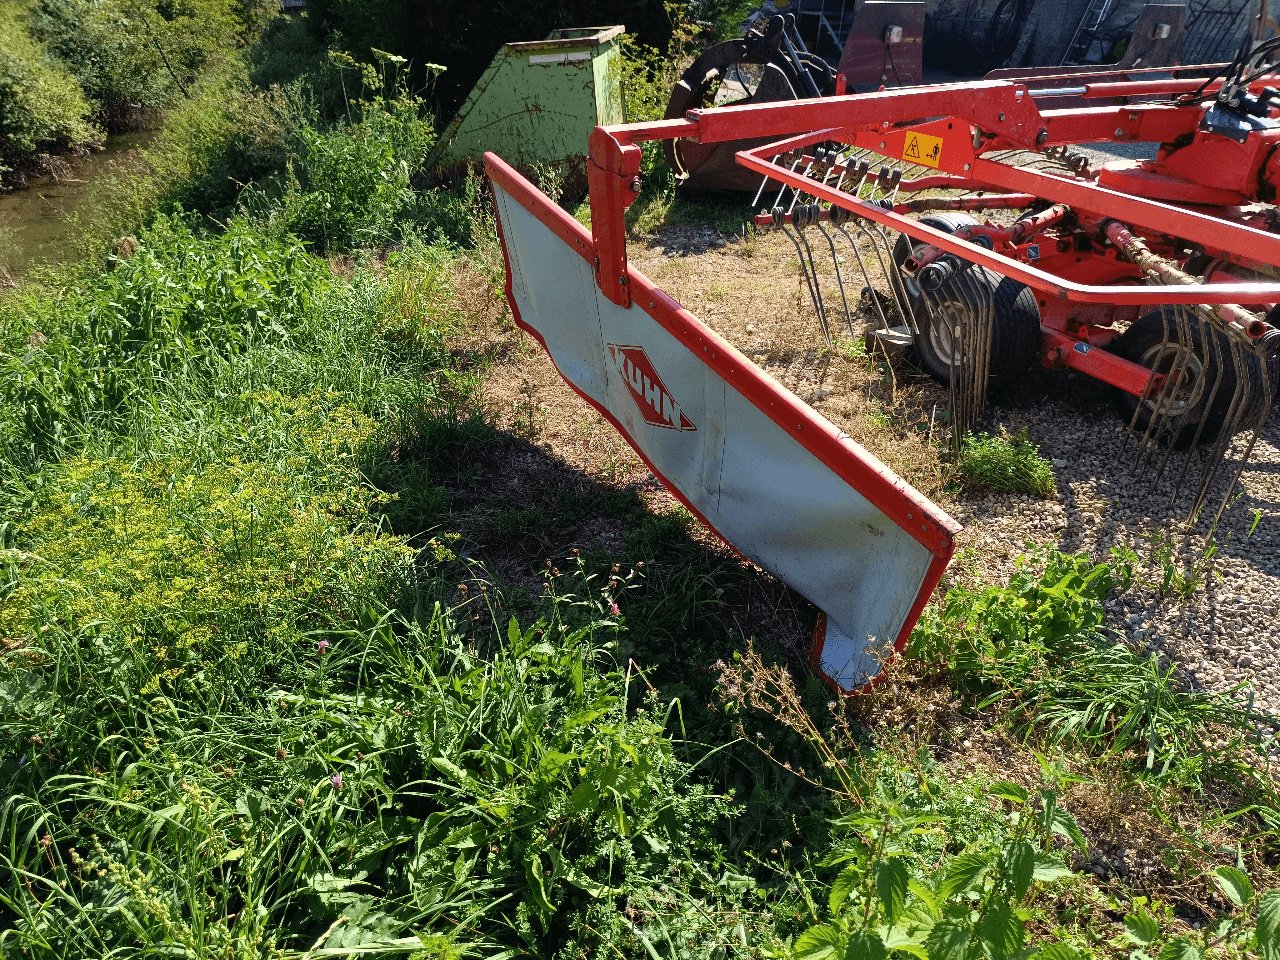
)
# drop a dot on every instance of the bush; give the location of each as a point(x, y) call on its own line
point(42, 109)
point(352, 185)
point(131, 55)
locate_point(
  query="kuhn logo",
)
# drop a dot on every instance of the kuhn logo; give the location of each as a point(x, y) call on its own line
point(655, 402)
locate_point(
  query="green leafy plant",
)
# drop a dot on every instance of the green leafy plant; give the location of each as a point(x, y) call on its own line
point(888, 899)
point(351, 185)
point(1178, 577)
point(172, 305)
point(1037, 647)
point(1004, 463)
point(1250, 926)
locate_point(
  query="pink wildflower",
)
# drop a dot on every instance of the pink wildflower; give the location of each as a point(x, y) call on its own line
point(323, 647)
point(613, 609)
point(336, 780)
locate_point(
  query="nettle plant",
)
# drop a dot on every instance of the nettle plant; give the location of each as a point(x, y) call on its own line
point(1251, 927)
point(891, 898)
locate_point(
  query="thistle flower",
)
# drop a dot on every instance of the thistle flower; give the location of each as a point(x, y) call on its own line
point(613, 609)
point(336, 780)
point(323, 647)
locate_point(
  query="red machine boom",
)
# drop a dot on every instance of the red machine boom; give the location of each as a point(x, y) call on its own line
point(1158, 277)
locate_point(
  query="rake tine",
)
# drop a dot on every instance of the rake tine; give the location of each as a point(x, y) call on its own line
point(898, 285)
point(880, 244)
point(1245, 455)
point(807, 267)
point(1165, 421)
point(1241, 401)
point(1186, 339)
point(782, 190)
point(1148, 400)
point(796, 194)
point(764, 182)
point(835, 262)
point(1216, 360)
point(866, 276)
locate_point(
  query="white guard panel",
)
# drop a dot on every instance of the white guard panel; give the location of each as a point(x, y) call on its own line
point(757, 486)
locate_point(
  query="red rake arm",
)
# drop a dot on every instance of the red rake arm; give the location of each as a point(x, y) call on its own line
point(991, 114)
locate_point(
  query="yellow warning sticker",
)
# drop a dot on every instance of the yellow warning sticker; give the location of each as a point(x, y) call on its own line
point(922, 148)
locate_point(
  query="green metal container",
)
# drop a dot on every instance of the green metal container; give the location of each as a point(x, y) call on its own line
point(538, 101)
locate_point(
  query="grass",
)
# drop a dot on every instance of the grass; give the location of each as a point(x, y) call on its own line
point(1037, 646)
point(1004, 464)
point(263, 692)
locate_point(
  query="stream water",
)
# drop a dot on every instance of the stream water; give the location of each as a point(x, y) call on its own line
point(37, 222)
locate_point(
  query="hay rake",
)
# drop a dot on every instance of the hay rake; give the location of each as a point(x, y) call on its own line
point(1155, 278)
point(962, 221)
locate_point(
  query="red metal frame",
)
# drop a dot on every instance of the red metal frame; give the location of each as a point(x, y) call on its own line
point(1081, 293)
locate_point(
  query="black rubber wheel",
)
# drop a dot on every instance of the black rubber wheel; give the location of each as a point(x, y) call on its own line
point(1015, 323)
point(1210, 378)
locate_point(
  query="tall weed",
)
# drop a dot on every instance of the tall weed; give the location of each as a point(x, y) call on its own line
point(351, 187)
point(1038, 647)
point(171, 304)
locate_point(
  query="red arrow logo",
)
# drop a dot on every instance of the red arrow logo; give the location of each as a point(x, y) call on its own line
point(651, 396)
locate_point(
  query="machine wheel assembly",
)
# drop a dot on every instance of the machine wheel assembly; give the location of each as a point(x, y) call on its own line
point(1212, 380)
point(1015, 318)
point(768, 64)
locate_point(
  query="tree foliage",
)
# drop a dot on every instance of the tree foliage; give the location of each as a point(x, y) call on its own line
point(41, 105)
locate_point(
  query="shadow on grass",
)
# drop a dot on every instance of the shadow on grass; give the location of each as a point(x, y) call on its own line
point(519, 517)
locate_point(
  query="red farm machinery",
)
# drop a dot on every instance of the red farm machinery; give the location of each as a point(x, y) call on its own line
point(975, 226)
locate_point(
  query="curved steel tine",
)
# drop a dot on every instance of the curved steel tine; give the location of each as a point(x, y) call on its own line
point(930, 305)
point(1218, 358)
point(1187, 332)
point(898, 286)
point(1263, 396)
point(879, 239)
point(873, 295)
point(985, 341)
point(755, 203)
point(1148, 400)
point(969, 361)
point(1244, 398)
point(1165, 423)
point(795, 193)
point(883, 248)
point(808, 268)
point(833, 211)
point(981, 341)
point(782, 189)
point(835, 263)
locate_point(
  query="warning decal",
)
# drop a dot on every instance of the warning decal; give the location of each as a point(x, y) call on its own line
point(922, 148)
